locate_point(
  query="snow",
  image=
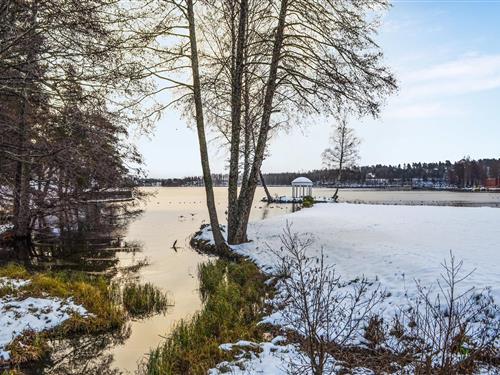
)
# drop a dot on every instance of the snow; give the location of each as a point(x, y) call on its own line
point(5, 227)
point(272, 359)
point(391, 245)
point(302, 181)
point(395, 245)
point(32, 313)
point(6, 282)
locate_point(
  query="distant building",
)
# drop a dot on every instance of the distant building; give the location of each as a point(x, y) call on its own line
point(492, 183)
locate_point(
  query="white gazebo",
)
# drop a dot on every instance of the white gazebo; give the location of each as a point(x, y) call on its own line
point(301, 187)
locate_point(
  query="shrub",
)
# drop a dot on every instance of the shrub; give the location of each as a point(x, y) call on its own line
point(316, 306)
point(452, 330)
point(307, 201)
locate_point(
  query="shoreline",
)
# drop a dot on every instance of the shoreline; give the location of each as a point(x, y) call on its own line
point(360, 188)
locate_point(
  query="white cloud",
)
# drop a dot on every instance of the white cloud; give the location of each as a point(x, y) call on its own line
point(465, 75)
point(421, 111)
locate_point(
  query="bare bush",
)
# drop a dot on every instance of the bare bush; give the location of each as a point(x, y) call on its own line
point(318, 306)
point(448, 330)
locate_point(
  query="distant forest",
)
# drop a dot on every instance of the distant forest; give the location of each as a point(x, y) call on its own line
point(462, 174)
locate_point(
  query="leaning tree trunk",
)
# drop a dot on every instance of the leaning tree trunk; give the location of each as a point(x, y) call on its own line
point(264, 185)
point(200, 126)
point(247, 193)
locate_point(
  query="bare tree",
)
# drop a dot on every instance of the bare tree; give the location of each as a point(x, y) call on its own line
point(319, 62)
point(265, 65)
point(318, 305)
point(344, 152)
point(200, 125)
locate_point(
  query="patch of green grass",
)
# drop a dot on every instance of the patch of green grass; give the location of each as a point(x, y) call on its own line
point(92, 292)
point(307, 201)
point(108, 305)
point(142, 300)
point(11, 372)
point(233, 294)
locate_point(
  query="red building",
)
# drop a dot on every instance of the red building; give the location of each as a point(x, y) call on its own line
point(492, 183)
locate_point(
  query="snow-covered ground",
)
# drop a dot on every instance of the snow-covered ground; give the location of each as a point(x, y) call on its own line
point(30, 314)
point(391, 245)
point(395, 244)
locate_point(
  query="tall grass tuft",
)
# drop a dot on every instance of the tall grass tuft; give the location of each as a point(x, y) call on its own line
point(233, 295)
point(142, 300)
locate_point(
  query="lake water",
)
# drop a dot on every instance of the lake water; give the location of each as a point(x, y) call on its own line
point(174, 214)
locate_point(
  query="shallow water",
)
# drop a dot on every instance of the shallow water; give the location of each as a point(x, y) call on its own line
point(174, 214)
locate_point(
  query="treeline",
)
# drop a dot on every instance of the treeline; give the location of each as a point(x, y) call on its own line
point(463, 173)
point(218, 180)
point(63, 133)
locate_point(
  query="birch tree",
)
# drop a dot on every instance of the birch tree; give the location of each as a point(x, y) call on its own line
point(270, 64)
point(323, 58)
point(344, 151)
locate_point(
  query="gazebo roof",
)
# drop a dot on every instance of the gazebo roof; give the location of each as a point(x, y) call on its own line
point(302, 181)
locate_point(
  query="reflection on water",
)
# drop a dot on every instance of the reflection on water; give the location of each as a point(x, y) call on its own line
point(86, 354)
point(92, 244)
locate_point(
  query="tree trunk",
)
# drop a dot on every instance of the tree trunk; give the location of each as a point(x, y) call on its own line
point(247, 194)
point(22, 226)
point(22, 178)
point(263, 183)
point(248, 131)
point(200, 126)
point(339, 178)
point(236, 96)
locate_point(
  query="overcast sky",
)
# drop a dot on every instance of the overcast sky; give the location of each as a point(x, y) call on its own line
point(446, 56)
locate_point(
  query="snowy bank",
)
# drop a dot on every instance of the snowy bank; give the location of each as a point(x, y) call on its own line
point(30, 314)
point(393, 246)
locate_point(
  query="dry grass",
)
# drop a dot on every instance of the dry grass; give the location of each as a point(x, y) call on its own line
point(101, 298)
